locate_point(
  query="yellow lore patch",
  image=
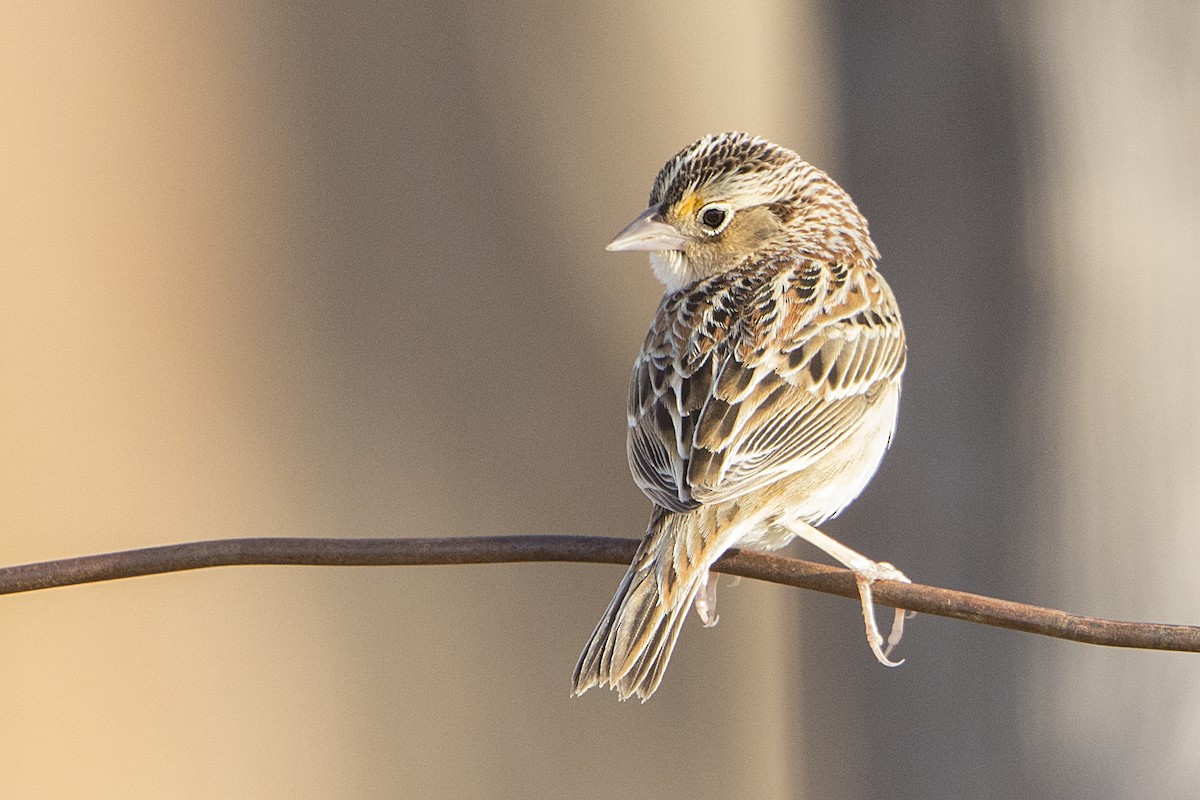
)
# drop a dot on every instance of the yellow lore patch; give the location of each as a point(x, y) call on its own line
point(688, 204)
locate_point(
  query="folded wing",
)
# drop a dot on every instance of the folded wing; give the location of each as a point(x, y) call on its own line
point(740, 385)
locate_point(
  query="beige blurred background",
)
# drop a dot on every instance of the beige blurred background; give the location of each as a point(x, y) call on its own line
point(273, 269)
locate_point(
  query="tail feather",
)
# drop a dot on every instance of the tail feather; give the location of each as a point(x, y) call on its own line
point(646, 672)
point(632, 643)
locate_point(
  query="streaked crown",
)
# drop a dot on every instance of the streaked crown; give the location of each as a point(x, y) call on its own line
point(735, 160)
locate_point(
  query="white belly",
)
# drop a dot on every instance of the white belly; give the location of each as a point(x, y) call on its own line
point(765, 519)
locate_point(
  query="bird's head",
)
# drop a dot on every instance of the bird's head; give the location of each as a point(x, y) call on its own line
point(728, 198)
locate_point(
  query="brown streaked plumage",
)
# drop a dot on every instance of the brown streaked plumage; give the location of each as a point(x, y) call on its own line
point(765, 394)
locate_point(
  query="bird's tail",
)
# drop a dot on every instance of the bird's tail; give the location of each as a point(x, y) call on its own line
point(632, 643)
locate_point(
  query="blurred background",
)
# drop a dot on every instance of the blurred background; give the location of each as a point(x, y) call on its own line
point(317, 269)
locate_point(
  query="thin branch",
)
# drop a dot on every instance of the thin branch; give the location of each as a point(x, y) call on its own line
point(590, 549)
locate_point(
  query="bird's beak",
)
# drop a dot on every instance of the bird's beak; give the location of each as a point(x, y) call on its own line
point(647, 232)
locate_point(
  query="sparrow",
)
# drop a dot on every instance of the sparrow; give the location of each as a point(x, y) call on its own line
point(764, 396)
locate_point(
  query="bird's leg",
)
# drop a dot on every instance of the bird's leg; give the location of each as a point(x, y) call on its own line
point(706, 600)
point(866, 572)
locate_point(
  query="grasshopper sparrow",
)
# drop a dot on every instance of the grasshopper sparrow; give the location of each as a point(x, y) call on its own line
point(765, 393)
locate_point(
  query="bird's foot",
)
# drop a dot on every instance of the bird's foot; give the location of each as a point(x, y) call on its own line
point(706, 600)
point(865, 576)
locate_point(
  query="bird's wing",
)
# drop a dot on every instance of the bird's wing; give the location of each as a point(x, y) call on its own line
point(673, 380)
point(746, 381)
point(796, 381)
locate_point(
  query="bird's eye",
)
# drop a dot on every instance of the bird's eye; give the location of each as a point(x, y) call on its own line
point(715, 217)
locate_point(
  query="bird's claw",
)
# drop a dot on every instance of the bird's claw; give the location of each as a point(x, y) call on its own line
point(706, 601)
point(881, 571)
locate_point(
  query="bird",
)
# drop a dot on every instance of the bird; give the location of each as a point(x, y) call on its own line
point(764, 396)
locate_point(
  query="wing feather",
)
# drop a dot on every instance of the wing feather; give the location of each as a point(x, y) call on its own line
point(750, 376)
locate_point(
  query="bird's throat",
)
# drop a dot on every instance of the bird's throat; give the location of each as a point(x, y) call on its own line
point(672, 268)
